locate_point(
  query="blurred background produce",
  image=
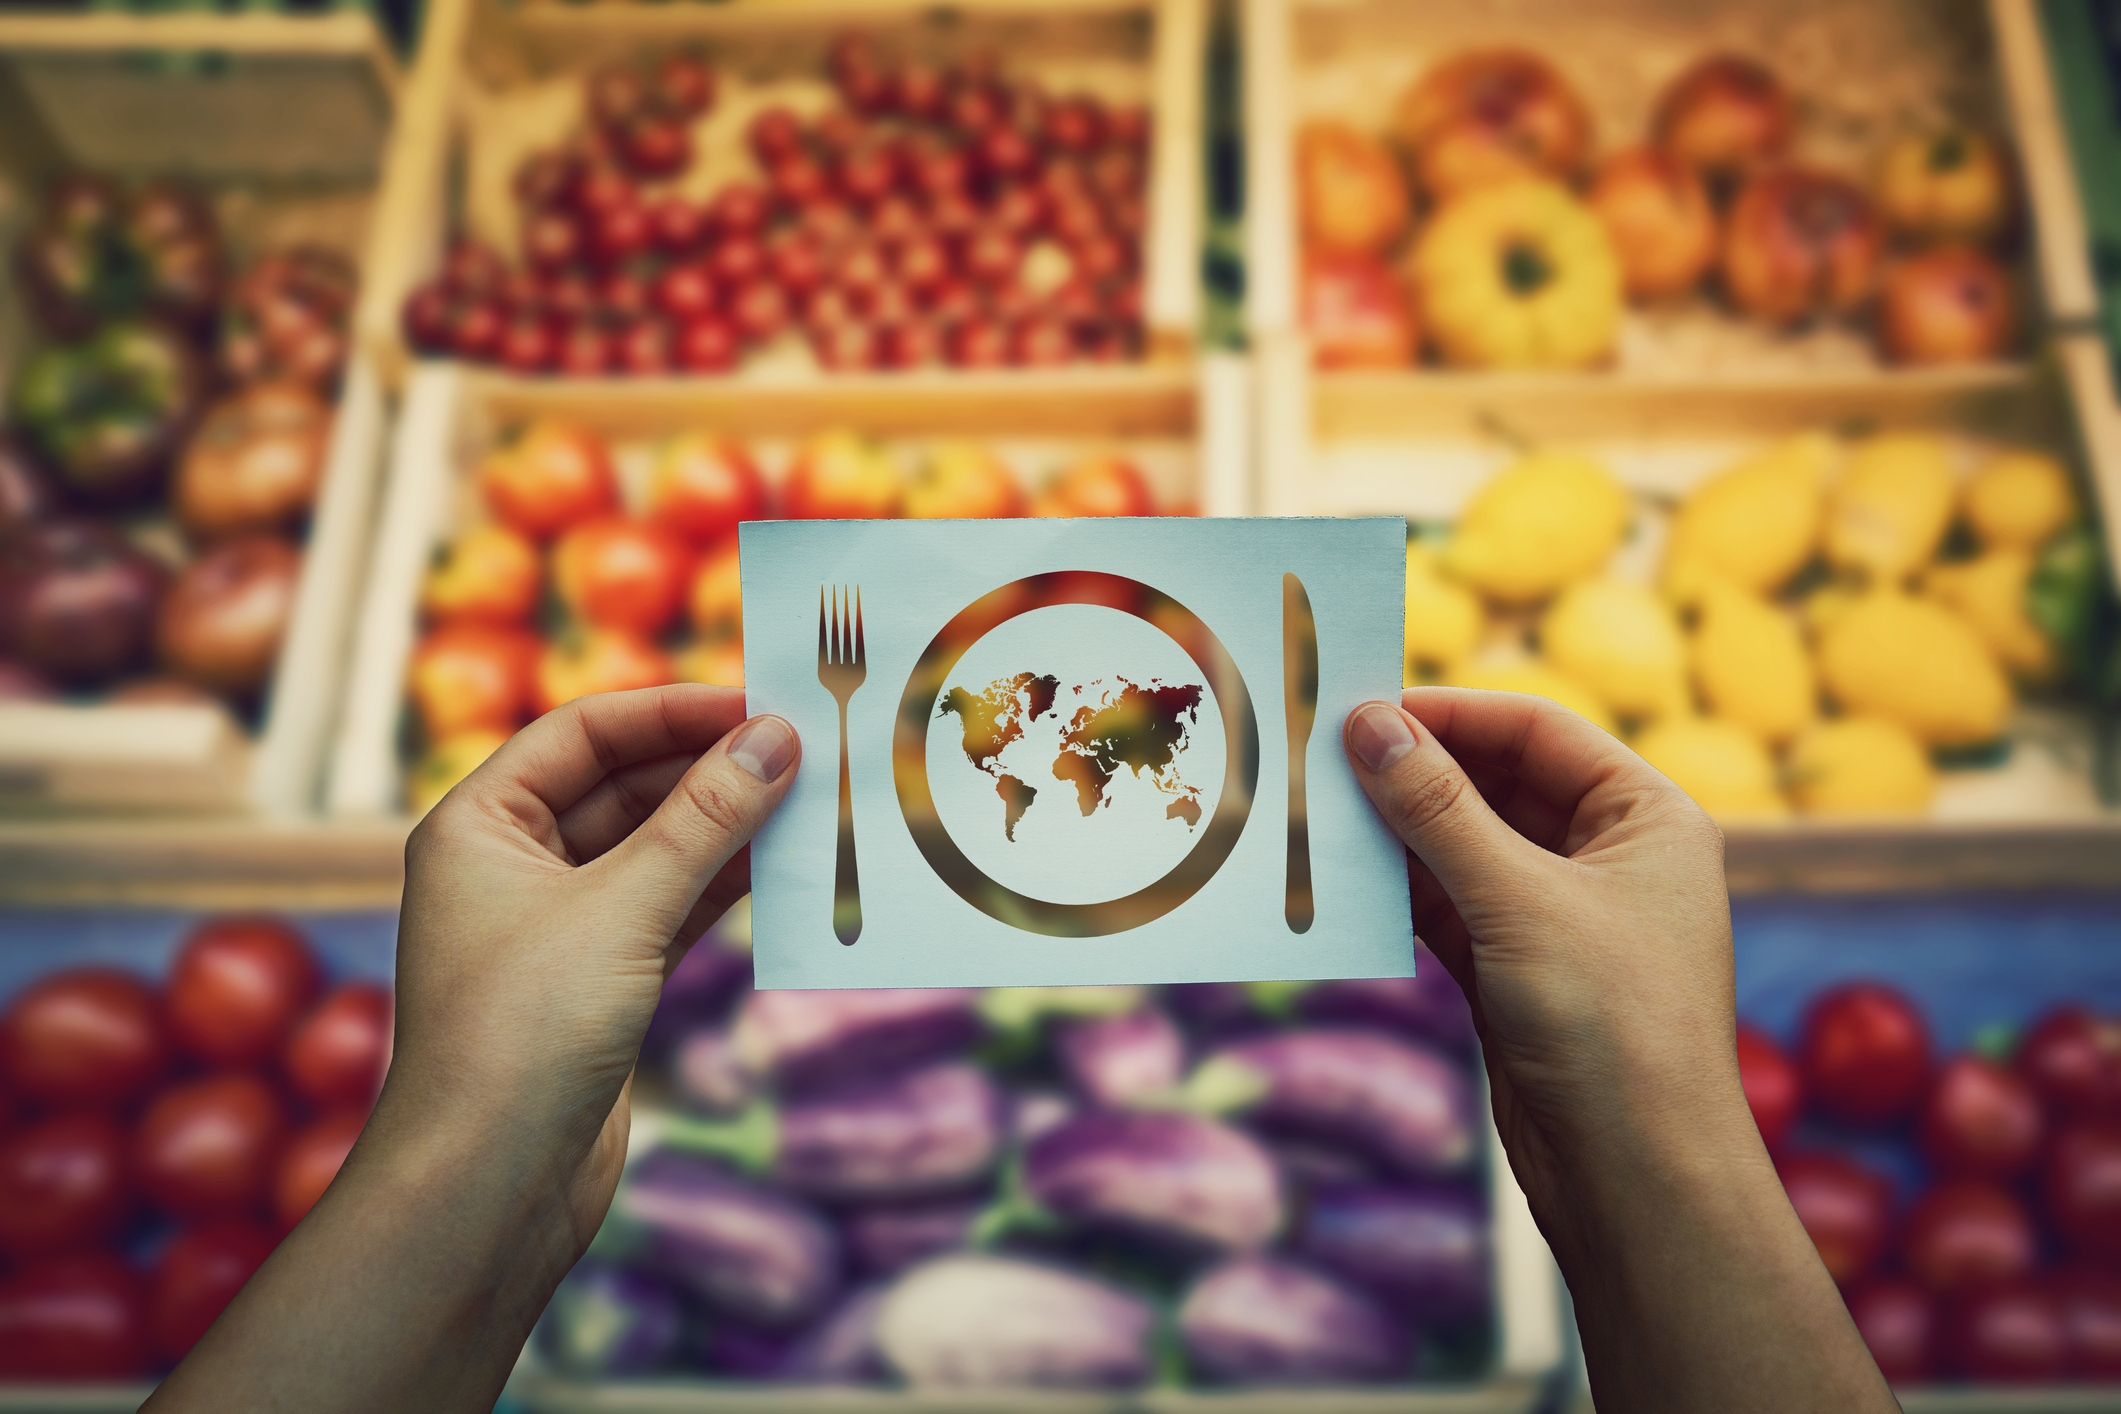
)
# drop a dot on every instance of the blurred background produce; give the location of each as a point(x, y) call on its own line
point(929, 215)
point(1819, 625)
point(163, 447)
point(1496, 223)
point(163, 1126)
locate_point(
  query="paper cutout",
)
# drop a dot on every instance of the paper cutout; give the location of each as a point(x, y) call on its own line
point(1054, 764)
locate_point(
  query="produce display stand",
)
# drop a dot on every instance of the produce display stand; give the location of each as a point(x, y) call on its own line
point(450, 157)
point(282, 120)
point(1418, 441)
point(2056, 160)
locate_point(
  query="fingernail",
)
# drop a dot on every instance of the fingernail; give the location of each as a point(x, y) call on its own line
point(763, 746)
point(1379, 735)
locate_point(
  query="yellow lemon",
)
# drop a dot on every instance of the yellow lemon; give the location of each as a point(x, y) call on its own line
point(1750, 664)
point(1917, 663)
point(1551, 518)
point(1444, 619)
point(2019, 500)
point(1895, 499)
point(1989, 593)
point(1621, 641)
point(1722, 765)
point(1861, 766)
point(1536, 679)
point(1754, 525)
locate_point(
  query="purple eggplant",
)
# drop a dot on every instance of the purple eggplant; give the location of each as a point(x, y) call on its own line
point(928, 1131)
point(806, 1040)
point(1428, 1004)
point(1268, 1320)
point(1116, 1061)
point(746, 1250)
point(887, 1239)
point(709, 1075)
point(1033, 1112)
point(607, 1320)
point(984, 1322)
point(1172, 1177)
point(1216, 1009)
point(841, 1349)
point(1425, 1249)
point(698, 990)
point(746, 1352)
point(1399, 1099)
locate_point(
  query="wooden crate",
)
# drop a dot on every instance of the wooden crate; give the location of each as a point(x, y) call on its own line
point(451, 415)
point(494, 80)
point(283, 121)
point(1417, 441)
point(2068, 282)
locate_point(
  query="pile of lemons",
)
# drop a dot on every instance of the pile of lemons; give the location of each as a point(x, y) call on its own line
point(1809, 643)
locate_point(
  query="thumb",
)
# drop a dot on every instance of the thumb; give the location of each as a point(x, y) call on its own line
point(710, 814)
point(1427, 798)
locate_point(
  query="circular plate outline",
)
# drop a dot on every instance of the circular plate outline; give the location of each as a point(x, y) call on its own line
point(909, 755)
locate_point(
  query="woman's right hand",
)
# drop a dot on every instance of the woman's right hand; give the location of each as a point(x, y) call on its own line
point(1578, 898)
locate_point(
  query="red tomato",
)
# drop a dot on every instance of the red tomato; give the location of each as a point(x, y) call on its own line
point(196, 1277)
point(601, 660)
point(2008, 1334)
point(1846, 1209)
point(2083, 1188)
point(2091, 1321)
point(1866, 1053)
point(2074, 1060)
point(1097, 486)
point(467, 676)
point(1981, 1120)
point(702, 486)
point(550, 478)
point(1897, 1319)
point(312, 1161)
point(73, 1318)
point(209, 1147)
point(237, 988)
point(1773, 1090)
point(337, 1056)
point(63, 1183)
point(1355, 311)
point(621, 574)
point(1964, 1234)
point(838, 476)
point(87, 1037)
point(488, 575)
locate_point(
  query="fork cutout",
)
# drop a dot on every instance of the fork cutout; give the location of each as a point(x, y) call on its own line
point(842, 665)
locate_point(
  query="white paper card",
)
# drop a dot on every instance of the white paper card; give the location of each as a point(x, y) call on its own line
point(1068, 749)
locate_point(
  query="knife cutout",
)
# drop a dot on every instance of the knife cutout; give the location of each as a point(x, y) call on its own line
point(1299, 700)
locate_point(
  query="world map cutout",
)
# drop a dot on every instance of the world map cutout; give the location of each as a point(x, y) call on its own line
point(1142, 728)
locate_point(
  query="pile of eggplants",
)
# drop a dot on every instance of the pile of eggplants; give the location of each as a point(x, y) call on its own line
point(1099, 1188)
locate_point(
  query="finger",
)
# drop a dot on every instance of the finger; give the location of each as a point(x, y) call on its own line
point(559, 758)
point(1523, 809)
point(710, 814)
point(617, 804)
point(1426, 798)
point(730, 883)
point(1559, 755)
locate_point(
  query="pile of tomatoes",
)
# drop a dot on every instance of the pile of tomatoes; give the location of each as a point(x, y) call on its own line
point(567, 590)
point(2006, 1264)
point(157, 1143)
point(938, 216)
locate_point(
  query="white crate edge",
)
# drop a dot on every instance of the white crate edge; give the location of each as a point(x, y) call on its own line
point(307, 682)
point(365, 772)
